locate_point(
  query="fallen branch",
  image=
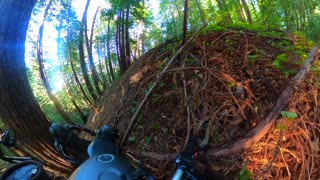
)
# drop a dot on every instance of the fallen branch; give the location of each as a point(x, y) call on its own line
point(257, 132)
point(146, 98)
point(186, 103)
point(154, 155)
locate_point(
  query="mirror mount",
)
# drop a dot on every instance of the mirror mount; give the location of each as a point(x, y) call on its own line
point(8, 138)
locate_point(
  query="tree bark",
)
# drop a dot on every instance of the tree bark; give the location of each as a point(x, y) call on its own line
point(174, 28)
point(247, 10)
point(96, 79)
point(77, 80)
point(142, 37)
point(120, 42)
point(127, 38)
point(225, 11)
point(81, 55)
point(87, 99)
point(108, 71)
point(109, 53)
point(104, 79)
point(202, 15)
point(82, 115)
point(239, 11)
point(185, 21)
point(18, 106)
point(58, 106)
point(254, 8)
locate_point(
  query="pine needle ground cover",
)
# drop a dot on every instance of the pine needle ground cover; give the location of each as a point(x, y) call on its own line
point(223, 84)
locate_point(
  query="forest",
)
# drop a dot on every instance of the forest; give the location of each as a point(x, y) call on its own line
point(240, 77)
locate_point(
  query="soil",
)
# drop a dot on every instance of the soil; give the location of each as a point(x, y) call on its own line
point(220, 87)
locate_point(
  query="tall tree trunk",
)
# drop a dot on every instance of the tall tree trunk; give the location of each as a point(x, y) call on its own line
point(83, 117)
point(81, 55)
point(225, 11)
point(109, 53)
point(287, 20)
point(178, 10)
point(202, 15)
point(67, 5)
point(173, 22)
point(18, 106)
point(247, 10)
point(87, 99)
point(104, 80)
point(185, 22)
point(254, 8)
point(211, 11)
point(96, 79)
point(143, 36)
point(58, 106)
point(121, 39)
point(77, 79)
point(127, 38)
point(238, 7)
point(108, 72)
point(120, 42)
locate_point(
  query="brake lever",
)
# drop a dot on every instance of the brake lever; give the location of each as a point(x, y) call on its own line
point(81, 128)
point(65, 156)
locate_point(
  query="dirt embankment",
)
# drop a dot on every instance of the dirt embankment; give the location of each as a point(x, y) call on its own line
point(222, 86)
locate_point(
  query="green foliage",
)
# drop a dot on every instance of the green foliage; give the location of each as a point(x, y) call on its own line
point(280, 62)
point(147, 140)
point(281, 127)
point(156, 127)
point(174, 87)
point(213, 28)
point(313, 28)
point(229, 42)
point(289, 115)
point(140, 117)
point(216, 137)
point(246, 175)
point(142, 13)
point(155, 97)
point(252, 58)
point(270, 18)
point(132, 139)
point(231, 84)
point(133, 107)
point(149, 88)
point(280, 59)
point(191, 61)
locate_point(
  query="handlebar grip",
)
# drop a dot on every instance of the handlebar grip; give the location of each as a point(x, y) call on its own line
point(178, 174)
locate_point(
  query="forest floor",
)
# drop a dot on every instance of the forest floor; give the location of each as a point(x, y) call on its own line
point(223, 84)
